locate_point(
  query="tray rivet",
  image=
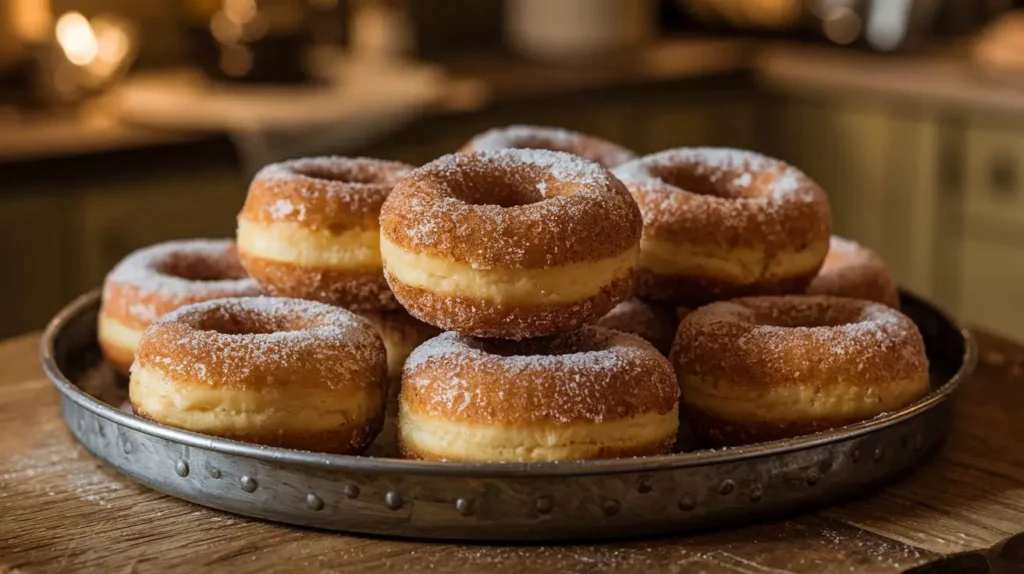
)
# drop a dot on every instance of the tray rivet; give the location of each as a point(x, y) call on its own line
point(464, 506)
point(611, 507)
point(249, 484)
point(545, 504)
point(127, 447)
point(687, 503)
point(351, 491)
point(756, 492)
point(643, 487)
point(727, 487)
point(879, 453)
point(812, 478)
point(313, 502)
point(213, 472)
point(393, 500)
point(855, 456)
point(181, 468)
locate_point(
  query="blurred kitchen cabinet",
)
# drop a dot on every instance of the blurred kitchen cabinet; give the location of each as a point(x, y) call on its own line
point(991, 284)
point(116, 217)
point(675, 120)
point(34, 255)
point(880, 168)
point(994, 171)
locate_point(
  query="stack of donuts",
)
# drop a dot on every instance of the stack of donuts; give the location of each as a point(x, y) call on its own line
point(539, 295)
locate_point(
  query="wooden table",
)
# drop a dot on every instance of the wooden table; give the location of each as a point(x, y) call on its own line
point(61, 510)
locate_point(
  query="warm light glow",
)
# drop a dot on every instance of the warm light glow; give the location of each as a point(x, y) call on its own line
point(240, 11)
point(77, 39)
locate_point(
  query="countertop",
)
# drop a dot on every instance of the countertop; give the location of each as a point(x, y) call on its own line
point(62, 510)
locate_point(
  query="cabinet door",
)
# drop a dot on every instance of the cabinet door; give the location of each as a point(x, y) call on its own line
point(994, 174)
point(991, 284)
point(33, 254)
point(116, 218)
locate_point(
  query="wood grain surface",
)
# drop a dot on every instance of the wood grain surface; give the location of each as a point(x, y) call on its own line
point(63, 511)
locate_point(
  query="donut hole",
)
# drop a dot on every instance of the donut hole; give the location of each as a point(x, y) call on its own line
point(504, 187)
point(729, 184)
point(236, 321)
point(810, 316)
point(194, 267)
point(551, 346)
point(348, 171)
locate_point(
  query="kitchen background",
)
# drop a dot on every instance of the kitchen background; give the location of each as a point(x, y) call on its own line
point(124, 123)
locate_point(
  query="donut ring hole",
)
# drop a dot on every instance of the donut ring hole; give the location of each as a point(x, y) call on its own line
point(725, 184)
point(202, 267)
point(351, 171)
point(503, 185)
point(241, 321)
point(551, 346)
point(805, 316)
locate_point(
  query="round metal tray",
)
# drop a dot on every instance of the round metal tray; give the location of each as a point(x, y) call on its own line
point(379, 494)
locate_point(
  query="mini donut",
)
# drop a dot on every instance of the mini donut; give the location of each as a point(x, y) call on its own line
point(652, 323)
point(722, 223)
point(591, 393)
point(265, 370)
point(586, 146)
point(309, 230)
point(158, 279)
point(510, 244)
point(851, 270)
point(766, 368)
point(401, 333)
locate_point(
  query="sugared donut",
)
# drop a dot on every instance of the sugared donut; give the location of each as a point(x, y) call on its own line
point(158, 279)
point(265, 370)
point(652, 323)
point(309, 230)
point(722, 223)
point(586, 146)
point(592, 393)
point(511, 244)
point(765, 368)
point(851, 270)
point(401, 333)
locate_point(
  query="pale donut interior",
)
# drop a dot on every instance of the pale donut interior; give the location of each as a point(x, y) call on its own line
point(355, 249)
point(531, 442)
point(200, 407)
point(559, 285)
point(117, 334)
point(804, 401)
point(740, 265)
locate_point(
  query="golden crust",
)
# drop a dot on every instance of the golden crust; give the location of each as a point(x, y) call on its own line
point(653, 323)
point(586, 146)
point(481, 318)
point(854, 271)
point(513, 208)
point(749, 351)
point(401, 333)
point(717, 431)
point(334, 194)
point(589, 375)
point(118, 356)
point(771, 342)
point(356, 290)
point(654, 448)
point(254, 343)
point(693, 292)
point(352, 438)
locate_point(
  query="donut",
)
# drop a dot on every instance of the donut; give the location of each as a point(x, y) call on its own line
point(265, 370)
point(851, 270)
point(652, 323)
point(766, 368)
point(401, 333)
point(158, 279)
point(722, 223)
point(591, 393)
point(309, 230)
point(510, 244)
point(586, 146)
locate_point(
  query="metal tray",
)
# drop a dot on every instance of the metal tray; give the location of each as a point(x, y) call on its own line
point(379, 494)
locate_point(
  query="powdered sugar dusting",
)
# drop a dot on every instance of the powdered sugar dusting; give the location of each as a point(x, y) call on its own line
point(144, 269)
point(579, 376)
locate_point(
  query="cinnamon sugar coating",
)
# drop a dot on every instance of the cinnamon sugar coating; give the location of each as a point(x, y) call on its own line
point(592, 374)
point(356, 290)
point(851, 270)
point(653, 323)
point(586, 146)
point(512, 208)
